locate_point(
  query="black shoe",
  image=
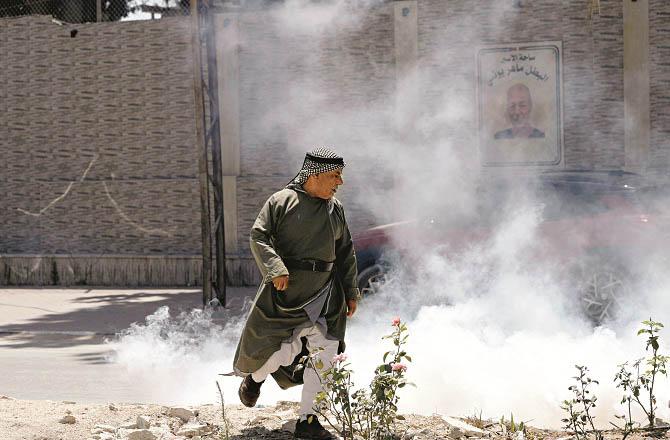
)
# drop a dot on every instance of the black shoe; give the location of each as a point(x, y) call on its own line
point(249, 391)
point(311, 429)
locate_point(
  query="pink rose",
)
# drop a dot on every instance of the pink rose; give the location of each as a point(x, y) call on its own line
point(399, 367)
point(339, 358)
point(396, 321)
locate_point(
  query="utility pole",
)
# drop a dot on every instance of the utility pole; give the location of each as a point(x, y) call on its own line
point(201, 149)
point(213, 143)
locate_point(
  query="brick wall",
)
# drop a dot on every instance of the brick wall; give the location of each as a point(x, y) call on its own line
point(450, 31)
point(659, 58)
point(296, 81)
point(97, 137)
point(119, 96)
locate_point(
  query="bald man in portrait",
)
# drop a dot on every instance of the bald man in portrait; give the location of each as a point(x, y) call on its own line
point(517, 111)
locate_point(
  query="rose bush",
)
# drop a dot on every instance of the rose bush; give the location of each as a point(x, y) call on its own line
point(367, 413)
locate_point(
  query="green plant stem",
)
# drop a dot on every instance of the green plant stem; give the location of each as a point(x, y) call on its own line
point(654, 366)
point(587, 407)
point(637, 398)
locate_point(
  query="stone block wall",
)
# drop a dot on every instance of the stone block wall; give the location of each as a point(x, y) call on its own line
point(659, 60)
point(295, 80)
point(449, 33)
point(97, 136)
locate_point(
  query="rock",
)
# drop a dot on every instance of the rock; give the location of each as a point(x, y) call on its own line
point(414, 434)
point(143, 422)
point(105, 428)
point(6, 398)
point(174, 425)
point(139, 434)
point(163, 433)
point(261, 418)
point(193, 429)
point(129, 425)
point(461, 429)
point(68, 420)
point(183, 413)
point(410, 434)
point(112, 407)
point(285, 405)
point(289, 426)
point(69, 402)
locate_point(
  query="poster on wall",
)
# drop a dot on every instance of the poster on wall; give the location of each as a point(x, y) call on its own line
point(519, 88)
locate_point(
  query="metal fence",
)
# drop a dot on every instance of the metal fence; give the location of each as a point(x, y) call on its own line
point(89, 11)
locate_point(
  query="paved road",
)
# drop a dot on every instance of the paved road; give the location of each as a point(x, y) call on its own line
point(52, 340)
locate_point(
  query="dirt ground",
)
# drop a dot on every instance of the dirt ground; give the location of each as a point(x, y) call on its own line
point(45, 420)
point(41, 420)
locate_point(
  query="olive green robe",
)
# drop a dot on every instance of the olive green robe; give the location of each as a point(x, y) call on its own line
point(293, 225)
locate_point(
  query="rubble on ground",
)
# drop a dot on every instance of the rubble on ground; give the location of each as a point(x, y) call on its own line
point(22, 419)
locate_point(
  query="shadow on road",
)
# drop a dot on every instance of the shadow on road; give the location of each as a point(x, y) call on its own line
point(95, 318)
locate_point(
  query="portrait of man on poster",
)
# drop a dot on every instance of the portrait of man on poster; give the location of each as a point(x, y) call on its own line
point(519, 102)
point(518, 108)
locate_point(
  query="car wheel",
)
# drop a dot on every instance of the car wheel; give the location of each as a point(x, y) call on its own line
point(601, 288)
point(372, 279)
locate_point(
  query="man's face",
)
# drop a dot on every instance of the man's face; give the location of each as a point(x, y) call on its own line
point(519, 105)
point(326, 184)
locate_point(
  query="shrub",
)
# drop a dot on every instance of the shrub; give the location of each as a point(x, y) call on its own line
point(369, 413)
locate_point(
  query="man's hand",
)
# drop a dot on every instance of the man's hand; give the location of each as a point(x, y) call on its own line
point(280, 282)
point(351, 307)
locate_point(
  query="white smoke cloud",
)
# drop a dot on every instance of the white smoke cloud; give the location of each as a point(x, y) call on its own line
point(501, 340)
point(492, 326)
point(178, 359)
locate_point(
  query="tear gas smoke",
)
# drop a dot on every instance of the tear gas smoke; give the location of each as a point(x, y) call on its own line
point(492, 326)
point(510, 348)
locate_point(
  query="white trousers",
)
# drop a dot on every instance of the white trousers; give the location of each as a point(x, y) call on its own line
point(316, 337)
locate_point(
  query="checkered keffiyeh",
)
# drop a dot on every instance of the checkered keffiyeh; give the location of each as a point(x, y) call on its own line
point(319, 160)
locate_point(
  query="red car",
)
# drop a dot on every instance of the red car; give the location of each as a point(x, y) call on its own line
point(592, 227)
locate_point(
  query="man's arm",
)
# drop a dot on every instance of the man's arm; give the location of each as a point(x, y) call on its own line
point(267, 259)
point(346, 268)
